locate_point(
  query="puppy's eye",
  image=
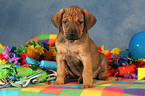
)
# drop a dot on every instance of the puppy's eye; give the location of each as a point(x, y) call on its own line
point(80, 22)
point(64, 22)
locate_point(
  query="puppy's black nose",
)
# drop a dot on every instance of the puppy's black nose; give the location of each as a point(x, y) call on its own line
point(72, 34)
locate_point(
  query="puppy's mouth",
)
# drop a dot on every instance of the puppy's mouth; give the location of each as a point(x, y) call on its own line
point(71, 38)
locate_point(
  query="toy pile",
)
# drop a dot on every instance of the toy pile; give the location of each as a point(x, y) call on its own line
point(35, 62)
point(32, 63)
point(122, 64)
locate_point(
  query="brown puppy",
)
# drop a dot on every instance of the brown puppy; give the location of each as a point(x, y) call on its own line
point(75, 50)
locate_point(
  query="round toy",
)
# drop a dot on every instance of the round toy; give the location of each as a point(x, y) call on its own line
point(137, 45)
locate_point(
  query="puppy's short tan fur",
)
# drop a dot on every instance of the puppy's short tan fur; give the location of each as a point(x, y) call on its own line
point(75, 50)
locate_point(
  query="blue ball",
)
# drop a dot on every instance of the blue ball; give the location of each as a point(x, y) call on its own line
point(137, 45)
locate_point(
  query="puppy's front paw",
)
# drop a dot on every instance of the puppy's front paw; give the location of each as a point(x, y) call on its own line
point(56, 83)
point(86, 86)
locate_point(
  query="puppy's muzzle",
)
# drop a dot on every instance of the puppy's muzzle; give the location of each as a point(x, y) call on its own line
point(72, 35)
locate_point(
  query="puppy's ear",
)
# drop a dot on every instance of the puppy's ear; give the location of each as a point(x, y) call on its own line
point(56, 19)
point(90, 20)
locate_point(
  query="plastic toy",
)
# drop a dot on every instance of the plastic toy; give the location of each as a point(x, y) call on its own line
point(122, 70)
point(137, 45)
point(43, 64)
point(21, 76)
point(141, 73)
point(19, 72)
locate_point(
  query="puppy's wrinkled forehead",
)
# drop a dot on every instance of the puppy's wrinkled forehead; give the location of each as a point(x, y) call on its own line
point(73, 12)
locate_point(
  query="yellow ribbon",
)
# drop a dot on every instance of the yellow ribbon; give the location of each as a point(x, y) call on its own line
point(104, 51)
point(115, 51)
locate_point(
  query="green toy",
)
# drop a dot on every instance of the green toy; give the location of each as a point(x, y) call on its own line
point(21, 76)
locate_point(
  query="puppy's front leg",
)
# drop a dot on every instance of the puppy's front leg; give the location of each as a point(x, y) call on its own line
point(87, 71)
point(60, 70)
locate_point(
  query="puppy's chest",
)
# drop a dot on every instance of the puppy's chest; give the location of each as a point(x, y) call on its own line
point(74, 64)
point(70, 53)
point(69, 50)
point(72, 59)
